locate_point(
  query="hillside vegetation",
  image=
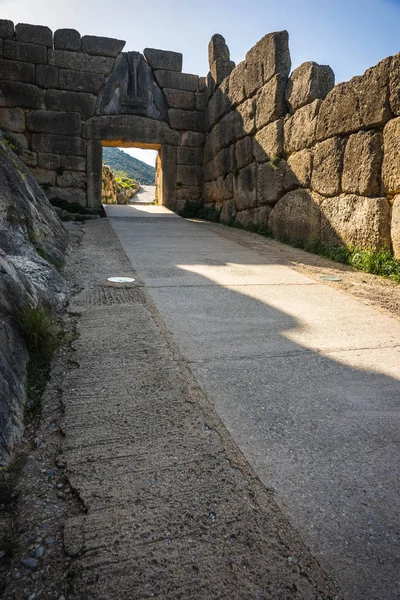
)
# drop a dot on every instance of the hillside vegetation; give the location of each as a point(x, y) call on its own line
point(134, 168)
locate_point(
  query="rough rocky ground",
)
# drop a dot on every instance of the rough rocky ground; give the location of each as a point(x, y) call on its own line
point(147, 495)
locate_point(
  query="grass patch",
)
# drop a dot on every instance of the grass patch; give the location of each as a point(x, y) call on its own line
point(43, 337)
point(56, 263)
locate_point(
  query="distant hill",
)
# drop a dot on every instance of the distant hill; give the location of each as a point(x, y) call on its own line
point(134, 168)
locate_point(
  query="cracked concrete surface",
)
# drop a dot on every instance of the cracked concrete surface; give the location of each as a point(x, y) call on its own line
point(171, 509)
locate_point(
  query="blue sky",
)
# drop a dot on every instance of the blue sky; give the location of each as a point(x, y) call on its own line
point(348, 35)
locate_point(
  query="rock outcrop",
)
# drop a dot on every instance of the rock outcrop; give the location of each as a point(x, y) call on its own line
point(32, 249)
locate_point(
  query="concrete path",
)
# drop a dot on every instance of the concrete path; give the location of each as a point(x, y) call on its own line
point(145, 195)
point(306, 379)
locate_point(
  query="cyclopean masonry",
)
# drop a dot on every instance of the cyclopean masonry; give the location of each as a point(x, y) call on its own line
point(311, 161)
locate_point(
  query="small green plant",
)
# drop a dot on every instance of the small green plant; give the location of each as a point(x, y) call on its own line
point(179, 184)
point(235, 172)
point(43, 337)
point(274, 160)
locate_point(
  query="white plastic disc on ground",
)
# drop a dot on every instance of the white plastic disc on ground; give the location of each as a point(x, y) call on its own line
point(121, 279)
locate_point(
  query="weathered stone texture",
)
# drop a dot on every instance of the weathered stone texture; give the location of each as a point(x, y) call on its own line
point(200, 102)
point(44, 176)
point(29, 158)
point(190, 156)
point(229, 130)
point(247, 113)
point(71, 102)
point(177, 81)
point(267, 58)
point(224, 162)
point(58, 144)
point(217, 49)
point(47, 76)
point(6, 29)
point(71, 179)
point(185, 119)
point(237, 92)
point(355, 221)
point(12, 119)
point(180, 99)
point(299, 168)
point(244, 152)
point(67, 39)
point(221, 69)
point(391, 158)
point(218, 106)
point(131, 127)
point(189, 175)
point(73, 163)
point(270, 101)
point(192, 138)
point(362, 164)
point(300, 128)
point(162, 59)
point(296, 217)
point(228, 211)
point(23, 95)
point(394, 85)
point(270, 178)
point(48, 161)
point(102, 46)
point(27, 52)
point(65, 123)
point(79, 81)
point(362, 102)
point(268, 141)
point(220, 190)
point(12, 70)
point(245, 188)
point(395, 227)
point(327, 167)
point(307, 83)
point(79, 61)
point(71, 195)
point(35, 34)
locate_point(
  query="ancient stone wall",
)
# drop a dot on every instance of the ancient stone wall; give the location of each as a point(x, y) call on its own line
point(312, 161)
point(62, 95)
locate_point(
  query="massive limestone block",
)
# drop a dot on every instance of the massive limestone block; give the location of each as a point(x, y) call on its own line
point(237, 93)
point(192, 138)
point(253, 216)
point(67, 39)
point(80, 61)
point(218, 106)
point(395, 227)
point(355, 221)
point(270, 180)
point(268, 141)
point(6, 29)
point(162, 59)
point(44, 176)
point(72, 179)
point(229, 129)
point(228, 211)
point(102, 46)
point(247, 113)
point(217, 49)
point(186, 119)
point(362, 164)
point(299, 168)
point(34, 34)
point(245, 188)
point(307, 83)
point(58, 144)
point(244, 152)
point(270, 101)
point(120, 128)
point(189, 175)
point(394, 80)
point(362, 102)
point(17, 71)
point(24, 51)
point(224, 162)
point(180, 99)
point(22, 95)
point(220, 190)
point(220, 70)
point(48, 161)
point(391, 158)
point(327, 167)
point(47, 76)
point(300, 128)
point(65, 123)
point(189, 156)
point(80, 102)
point(267, 58)
point(296, 217)
point(177, 81)
point(79, 81)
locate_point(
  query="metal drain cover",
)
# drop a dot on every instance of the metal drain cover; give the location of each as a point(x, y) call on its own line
point(331, 278)
point(121, 279)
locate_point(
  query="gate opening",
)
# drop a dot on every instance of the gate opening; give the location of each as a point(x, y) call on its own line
point(131, 173)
